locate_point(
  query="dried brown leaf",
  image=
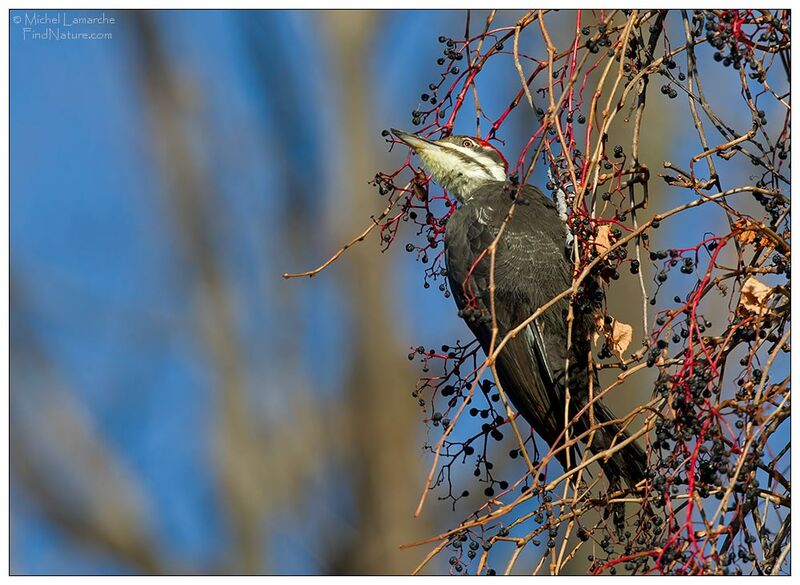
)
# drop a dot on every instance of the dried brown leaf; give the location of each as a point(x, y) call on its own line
point(602, 241)
point(749, 232)
point(618, 334)
point(744, 231)
point(755, 295)
point(621, 335)
point(419, 186)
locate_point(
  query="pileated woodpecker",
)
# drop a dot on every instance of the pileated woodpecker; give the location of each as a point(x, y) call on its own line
point(531, 268)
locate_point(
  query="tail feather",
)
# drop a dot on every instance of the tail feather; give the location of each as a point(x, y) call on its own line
point(627, 464)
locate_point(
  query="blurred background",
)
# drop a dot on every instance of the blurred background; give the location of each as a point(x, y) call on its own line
point(176, 406)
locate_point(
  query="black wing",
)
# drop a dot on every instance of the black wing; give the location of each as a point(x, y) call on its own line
point(530, 269)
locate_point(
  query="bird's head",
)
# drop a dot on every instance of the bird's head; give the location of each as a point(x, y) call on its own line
point(459, 164)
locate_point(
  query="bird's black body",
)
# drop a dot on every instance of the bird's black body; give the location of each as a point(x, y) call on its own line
point(531, 268)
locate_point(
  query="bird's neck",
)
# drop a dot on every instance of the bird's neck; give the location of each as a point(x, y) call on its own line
point(464, 187)
point(463, 181)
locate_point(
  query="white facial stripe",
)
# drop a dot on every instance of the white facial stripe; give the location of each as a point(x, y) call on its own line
point(463, 149)
point(497, 171)
point(449, 168)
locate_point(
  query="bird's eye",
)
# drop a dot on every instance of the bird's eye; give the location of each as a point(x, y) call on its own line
point(467, 143)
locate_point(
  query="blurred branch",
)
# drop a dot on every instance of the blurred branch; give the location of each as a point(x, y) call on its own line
point(383, 419)
point(247, 458)
point(70, 472)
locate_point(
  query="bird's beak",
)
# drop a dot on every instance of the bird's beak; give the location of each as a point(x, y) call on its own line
point(418, 143)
